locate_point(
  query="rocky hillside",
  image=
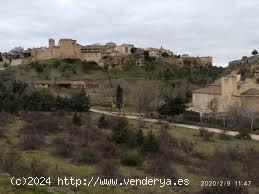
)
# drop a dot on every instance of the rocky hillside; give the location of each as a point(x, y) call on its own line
point(247, 66)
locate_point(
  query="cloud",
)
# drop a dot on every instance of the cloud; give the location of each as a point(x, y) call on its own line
point(223, 29)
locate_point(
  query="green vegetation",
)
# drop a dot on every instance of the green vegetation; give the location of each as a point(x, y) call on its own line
point(64, 139)
point(155, 70)
point(68, 150)
point(16, 96)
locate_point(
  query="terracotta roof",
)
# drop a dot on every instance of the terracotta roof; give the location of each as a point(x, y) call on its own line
point(251, 92)
point(212, 89)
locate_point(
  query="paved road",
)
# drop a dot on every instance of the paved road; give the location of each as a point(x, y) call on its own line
point(214, 130)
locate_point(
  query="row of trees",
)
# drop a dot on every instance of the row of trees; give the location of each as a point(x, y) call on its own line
point(148, 98)
point(16, 96)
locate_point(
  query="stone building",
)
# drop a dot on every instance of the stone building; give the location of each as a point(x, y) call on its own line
point(158, 53)
point(64, 84)
point(227, 92)
point(68, 48)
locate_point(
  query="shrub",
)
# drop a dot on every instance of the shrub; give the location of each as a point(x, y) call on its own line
point(120, 131)
point(107, 168)
point(172, 107)
point(102, 122)
point(206, 135)
point(186, 145)
point(64, 146)
point(244, 133)
point(5, 118)
point(90, 65)
point(2, 132)
point(40, 125)
point(76, 119)
point(250, 164)
point(37, 169)
point(131, 158)
point(150, 143)
point(191, 116)
point(87, 156)
point(219, 166)
point(107, 149)
point(158, 165)
point(139, 137)
point(80, 102)
point(31, 141)
point(10, 160)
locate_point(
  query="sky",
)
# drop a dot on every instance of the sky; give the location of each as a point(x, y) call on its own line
point(223, 29)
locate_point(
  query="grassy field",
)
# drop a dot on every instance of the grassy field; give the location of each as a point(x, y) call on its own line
point(53, 165)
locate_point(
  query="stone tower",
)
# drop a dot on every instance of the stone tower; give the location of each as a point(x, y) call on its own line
point(229, 88)
point(51, 43)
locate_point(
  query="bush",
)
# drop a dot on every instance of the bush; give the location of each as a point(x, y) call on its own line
point(172, 107)
point(86, 156)
point(77, 119)
point(31, 141)
point(10, 160)
point(80, 102)
point(2, 132)
point(139, 137)
point(191, 116)
point(131, 158)
point(107, 168)
point(102, 122)
point(40, 124)
point(107, 149)
point(187, 145)
point(90, 65)
point(150, 143)
point(219, 166)
point(159, 166)
point(206, 135)
point(120, 131)
point(64, 146)
point(244, 133)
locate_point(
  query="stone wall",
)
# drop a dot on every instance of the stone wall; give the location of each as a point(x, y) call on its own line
point(203, 101)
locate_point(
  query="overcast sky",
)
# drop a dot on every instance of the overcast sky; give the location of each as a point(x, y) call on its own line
point(224, 29)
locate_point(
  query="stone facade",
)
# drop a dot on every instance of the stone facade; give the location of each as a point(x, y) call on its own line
point(225, 93)
point(101, 54)
point(68, 48)
point(158, 53)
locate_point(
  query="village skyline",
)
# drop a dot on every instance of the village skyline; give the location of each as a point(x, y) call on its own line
point(184, 27)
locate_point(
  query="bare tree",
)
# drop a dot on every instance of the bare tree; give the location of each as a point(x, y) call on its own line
point(17, 50)
point(251, 113)
point(143, 94)
point(109, 89)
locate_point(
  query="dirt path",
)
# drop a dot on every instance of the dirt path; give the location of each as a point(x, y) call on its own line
point(214, 130)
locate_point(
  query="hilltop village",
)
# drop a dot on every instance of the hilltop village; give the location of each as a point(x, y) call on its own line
point(110, 53)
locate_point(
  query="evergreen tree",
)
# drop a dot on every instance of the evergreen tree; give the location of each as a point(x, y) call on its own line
point(80, 102)
point(119, 97)
point(120, 131)
point(102, 123)
point(150, 143)
point(254, 52)
point(140, 137)
point(76, 119)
